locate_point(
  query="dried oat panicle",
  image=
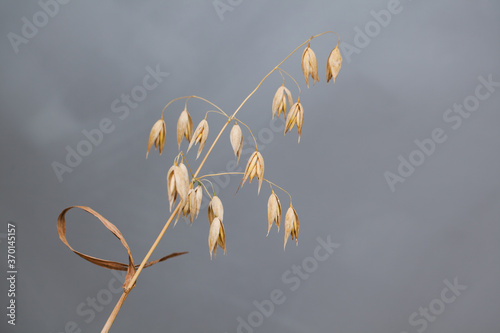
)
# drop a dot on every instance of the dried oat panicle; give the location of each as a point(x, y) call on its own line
point(216, 237)
point(255, 167)
point(291, 225)
point(273, 211)
point(195, 196)
point(333, 64)
point(295, 116)
point(184, 127)
point(215, 209)
point(177, 183)
point(309, 65)
point(236, 138)
point(200, 136)
point(280, 99)
point(157, 136)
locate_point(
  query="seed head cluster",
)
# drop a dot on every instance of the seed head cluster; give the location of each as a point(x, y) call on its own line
point(180, 186)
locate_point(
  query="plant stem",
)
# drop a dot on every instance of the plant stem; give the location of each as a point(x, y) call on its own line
point(129, 287)
point(112, 317)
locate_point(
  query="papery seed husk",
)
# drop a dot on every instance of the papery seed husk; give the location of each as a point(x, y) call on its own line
point(260, 170)
point(305, 65)
point(203, 138)
point(192, 204)
point(280, 101)
point(254, 171)
point(199, 136)
point(221, 240)
point(182, 181)
point(333, 64)
point(179, 213)
point(291, 225)
point(292, 117)
point(184, 127)
point(249, 168)
point(236, 138)
point(295, 231)
point(187, 206)
point(215, 209)
point(278, 96)
point(300, 119)
point(309, 65)
point(273, 211)
point(213, 235)
point(158, 129)
point(199, 197)
point(172, 193)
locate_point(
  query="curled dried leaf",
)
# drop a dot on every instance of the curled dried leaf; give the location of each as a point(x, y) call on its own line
point(309, 65)
point(333, 64)
point(157, 136)
point(130, 267)
point(291, 225)
point(236, 138)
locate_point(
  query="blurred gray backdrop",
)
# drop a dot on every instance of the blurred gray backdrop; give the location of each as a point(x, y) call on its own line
point(397, 168)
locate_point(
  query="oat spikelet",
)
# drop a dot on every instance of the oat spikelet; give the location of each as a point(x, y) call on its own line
point(291, 225)
point(186, 210)
point(216, 237)
point(172, 192)
point(194, 198)
point(280, 99)
point(177, 184)
point(255, 167)
point(333, 64)
point(295, 116)
point(184, 127)
point(309, 65)
point(236, 138)
point(273, 211)
point(157, 136)
point(215, 209)
point(199, 136)
point(182, 181)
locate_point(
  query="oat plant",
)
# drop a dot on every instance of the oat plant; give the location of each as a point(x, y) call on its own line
point(185, 188)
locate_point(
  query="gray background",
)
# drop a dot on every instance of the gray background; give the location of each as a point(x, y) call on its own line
point(396, 248)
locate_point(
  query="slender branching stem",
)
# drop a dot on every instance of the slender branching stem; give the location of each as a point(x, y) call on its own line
point(242, 173)
point(253, 137)
point(187, 98)
point(203, 185)
point(216, 111)
point(282, 70)
point(187, 163)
